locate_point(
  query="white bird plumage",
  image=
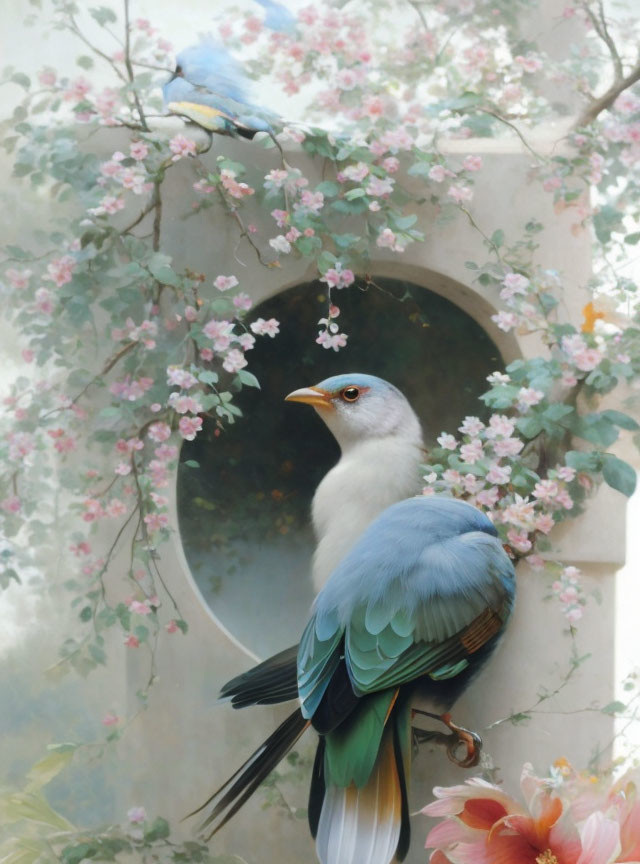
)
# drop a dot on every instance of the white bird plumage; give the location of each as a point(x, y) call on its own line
point(381, 447)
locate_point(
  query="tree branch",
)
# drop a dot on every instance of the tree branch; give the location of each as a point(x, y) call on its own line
point(607, 99)
point(129, 67)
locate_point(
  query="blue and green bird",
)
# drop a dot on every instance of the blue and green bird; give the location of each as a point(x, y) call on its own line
point(411, 613)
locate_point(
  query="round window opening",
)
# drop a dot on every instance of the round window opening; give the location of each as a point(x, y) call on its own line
point(244, 515)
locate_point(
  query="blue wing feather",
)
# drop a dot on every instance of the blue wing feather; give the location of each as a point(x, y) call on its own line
point(423, 573)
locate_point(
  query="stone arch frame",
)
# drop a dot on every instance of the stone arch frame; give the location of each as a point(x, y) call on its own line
point(461, 295)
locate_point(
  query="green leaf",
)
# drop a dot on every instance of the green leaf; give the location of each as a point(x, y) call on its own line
point(616, 707)
point(159, 830)
point(326, 260)
point(86, 614)
point(624, 421)
point(328, 188)
point(46, 769)
point(182, 625)
point(497, 238)
point(352, 194)
point(191, 463)
point(594, 428)
point(103, 15)
point(618, 474)
point(160, 270)
point(632, 239)
point(248, 378)
point(85, 62)
point(21, 80)
point(529, 426)
point(584, 461)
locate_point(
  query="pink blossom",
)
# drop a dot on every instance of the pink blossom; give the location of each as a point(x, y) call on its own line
point(564, 499)
point(471, 426)
point(214, 329)
point(232, 186)
point(514, 283)
point(452, 477)
point(530, 63)
point(110, 719)
point(159, 431)
point(47, 77)
point(171, 627)
point(447, 441)
point(460, 193)
point(566, 473)
point(116, 508)
point(190, 426)
point(529, 396)
point(336, 277)
point(21, 444)
point(506, 321)
point(176, 375)
point(573, 615)
point(139, 150)
point(546, 490)
point(587, 359)
point(499, 424)
point(246, 341)
point(310, 201)
point(123, 469)
point(136, 814)
point(234, 361)
point(499, 474)
point(391, 164)
point(206, 353)
point(386, 238)
point(184, 404)
point(242, 301)
point(488, 497)
point(190, 313)
point(60, 270)
point(182, 146)
point(472, 452)
point(380, 187)
point(507, 447)
point(471, 483)
point(224, 283)
point(76, 90)
point(166, 452)
point(137, 606)
point(131, 390)
point(536, 562)
point(472, 163)
point(281, 217)
point(265, 328)
point(355, 173)
point(519, 540)
point(334, 341)
point(19, 279)
point(156, 521)
point(11, 504)
point(438, 173)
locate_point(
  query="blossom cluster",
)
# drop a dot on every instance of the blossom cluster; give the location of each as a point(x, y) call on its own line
point(568, 817)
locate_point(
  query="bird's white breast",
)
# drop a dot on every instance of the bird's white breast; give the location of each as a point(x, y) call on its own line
point(369, 477)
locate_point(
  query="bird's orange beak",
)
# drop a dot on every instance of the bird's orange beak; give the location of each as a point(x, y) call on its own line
point(311, 396)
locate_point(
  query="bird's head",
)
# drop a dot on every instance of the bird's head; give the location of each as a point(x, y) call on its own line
point(357, 407)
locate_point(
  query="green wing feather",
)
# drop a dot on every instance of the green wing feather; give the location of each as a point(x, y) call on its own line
point(352, 748)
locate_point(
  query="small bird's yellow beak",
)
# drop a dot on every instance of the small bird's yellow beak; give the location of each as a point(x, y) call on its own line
point(311, 396)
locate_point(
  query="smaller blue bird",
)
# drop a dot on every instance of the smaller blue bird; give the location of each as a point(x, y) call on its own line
point(210, 88)
point(277, 18)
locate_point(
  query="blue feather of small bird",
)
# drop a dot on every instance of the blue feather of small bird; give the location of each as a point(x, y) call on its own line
point(278, 17)
point(206, 74)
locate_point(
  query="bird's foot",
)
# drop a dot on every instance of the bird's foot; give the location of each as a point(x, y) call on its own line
point(471, 740)
point(459, 737)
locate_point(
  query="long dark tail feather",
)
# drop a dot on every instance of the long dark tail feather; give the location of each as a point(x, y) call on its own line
point(317, 789)
point(404, 841)
point(240, 786)
point(273, 681)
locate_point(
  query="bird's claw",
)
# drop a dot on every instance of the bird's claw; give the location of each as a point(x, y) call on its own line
point(473, 746)
point(459, 736)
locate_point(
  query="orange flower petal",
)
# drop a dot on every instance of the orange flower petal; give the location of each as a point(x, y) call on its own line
point(482, 813)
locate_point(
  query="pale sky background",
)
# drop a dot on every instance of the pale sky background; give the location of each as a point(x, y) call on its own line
point(29, 50)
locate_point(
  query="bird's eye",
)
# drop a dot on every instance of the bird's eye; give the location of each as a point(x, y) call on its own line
point(350, 394)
